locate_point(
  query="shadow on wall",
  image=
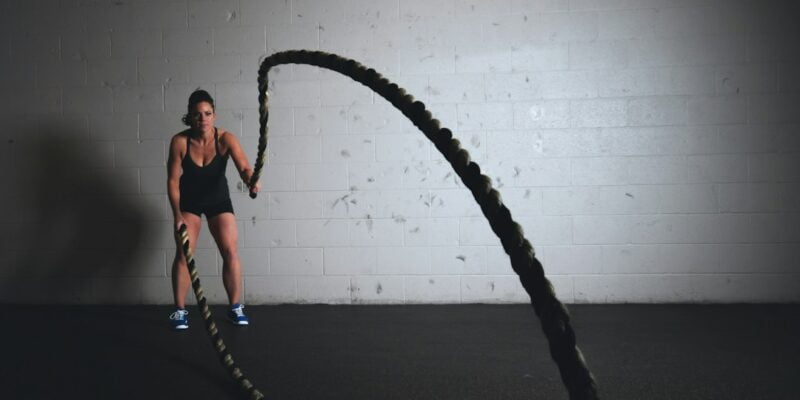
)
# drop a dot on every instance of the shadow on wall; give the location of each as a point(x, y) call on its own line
point(66, 233)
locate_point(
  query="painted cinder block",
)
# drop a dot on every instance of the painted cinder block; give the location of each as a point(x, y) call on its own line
point(324, 289)
point(653, 170)
point(295, 205)
point(337, 38)
point(603, 54)
point(206, 13)
point(401, 205)
point(133, 44)
point(270, 233)
point(119, 126)
point(521, 86)
point(350, 260)
point(296, 261)
point(390, 148)
point(476, 232)
point(160, 15)
point(341, 91)
point(295, 93)
point(718, 168)
point(431, 232)
point(717, 110)
point(375, 176)
point(247, 209)
point(158, 71)
point(56, 73)
point(540, 56)
point(187, 42)
point(320, 120)
point(772, 108)
point(295, 149)
point(290, 36)
point(687, 199)
point(492, 289)
point(258, 12)
point(427, 60)
point(348, 148)
point(95, 98)
point(598, 113)
point(453, 203)
point(152, 180)
point(111, 72)
point(146, 153)
point(406, 260)
point(687, 288)
point(602, 200)
point(138, 98)
point(602, 229)
point(758, 258)
point(255, 261)
point(379, 118)
point(481, 57)
point(458, 88)
point(601, 171)
point(458, 260)
point(270, 289)
point(377, 290)
point(774, 168)
point(376, 232)
point(651, 142)
point(350, 204)
point(277, 178)
point(147, 263)
point(322, 233)
point(321, 177)
point(541, 114)
point(435, 174)
point(432, 289)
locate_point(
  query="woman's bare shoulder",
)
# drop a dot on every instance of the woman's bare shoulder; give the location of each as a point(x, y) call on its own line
point(179, 138)
point(226, 137)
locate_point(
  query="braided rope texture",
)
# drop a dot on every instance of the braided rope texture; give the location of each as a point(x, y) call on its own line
point(225, 356)
point(552, 313)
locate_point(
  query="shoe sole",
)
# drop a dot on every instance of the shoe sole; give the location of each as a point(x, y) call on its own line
point(180, 327)
point(239, 322)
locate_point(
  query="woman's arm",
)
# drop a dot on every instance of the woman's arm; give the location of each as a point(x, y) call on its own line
point(173, 177)
point(239, 160)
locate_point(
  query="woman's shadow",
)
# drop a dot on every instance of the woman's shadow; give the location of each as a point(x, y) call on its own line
point(69, 233)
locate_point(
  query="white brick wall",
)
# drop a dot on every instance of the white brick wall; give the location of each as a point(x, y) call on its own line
point(649, 149)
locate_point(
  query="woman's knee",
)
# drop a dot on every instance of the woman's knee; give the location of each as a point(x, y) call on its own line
point(229, 253)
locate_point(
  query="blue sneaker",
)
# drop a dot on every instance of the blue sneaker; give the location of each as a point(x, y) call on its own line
point(236, 315)
point(179, 320)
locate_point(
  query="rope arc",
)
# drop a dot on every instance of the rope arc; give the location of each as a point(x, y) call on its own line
point(553, 315)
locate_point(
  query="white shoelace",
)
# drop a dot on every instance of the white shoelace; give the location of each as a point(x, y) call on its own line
point(178, 314)
point(238, 311)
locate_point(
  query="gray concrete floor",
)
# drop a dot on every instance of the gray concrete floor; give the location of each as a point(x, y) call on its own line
point(401, 352)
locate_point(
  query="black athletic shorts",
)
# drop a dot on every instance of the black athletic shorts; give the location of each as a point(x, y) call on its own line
point(209, 211)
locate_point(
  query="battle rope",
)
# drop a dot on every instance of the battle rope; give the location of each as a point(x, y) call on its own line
point(213, 333)
point(552, 313)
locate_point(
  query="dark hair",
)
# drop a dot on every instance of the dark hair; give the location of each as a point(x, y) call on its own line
point(197, 96)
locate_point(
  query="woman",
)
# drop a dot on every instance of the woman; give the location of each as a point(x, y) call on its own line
point(196, 185)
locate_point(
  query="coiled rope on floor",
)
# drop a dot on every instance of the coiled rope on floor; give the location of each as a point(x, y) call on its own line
point(552, 313)
point(213, 333)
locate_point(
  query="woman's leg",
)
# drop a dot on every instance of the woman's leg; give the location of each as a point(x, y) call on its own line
point(181, 281)
point(223, 229)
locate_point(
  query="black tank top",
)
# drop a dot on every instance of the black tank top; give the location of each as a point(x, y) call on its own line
point(204, 185)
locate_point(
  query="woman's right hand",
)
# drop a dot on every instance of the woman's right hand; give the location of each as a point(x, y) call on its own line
point(178, 223)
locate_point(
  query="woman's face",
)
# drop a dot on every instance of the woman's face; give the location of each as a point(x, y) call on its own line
point(202, 116)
